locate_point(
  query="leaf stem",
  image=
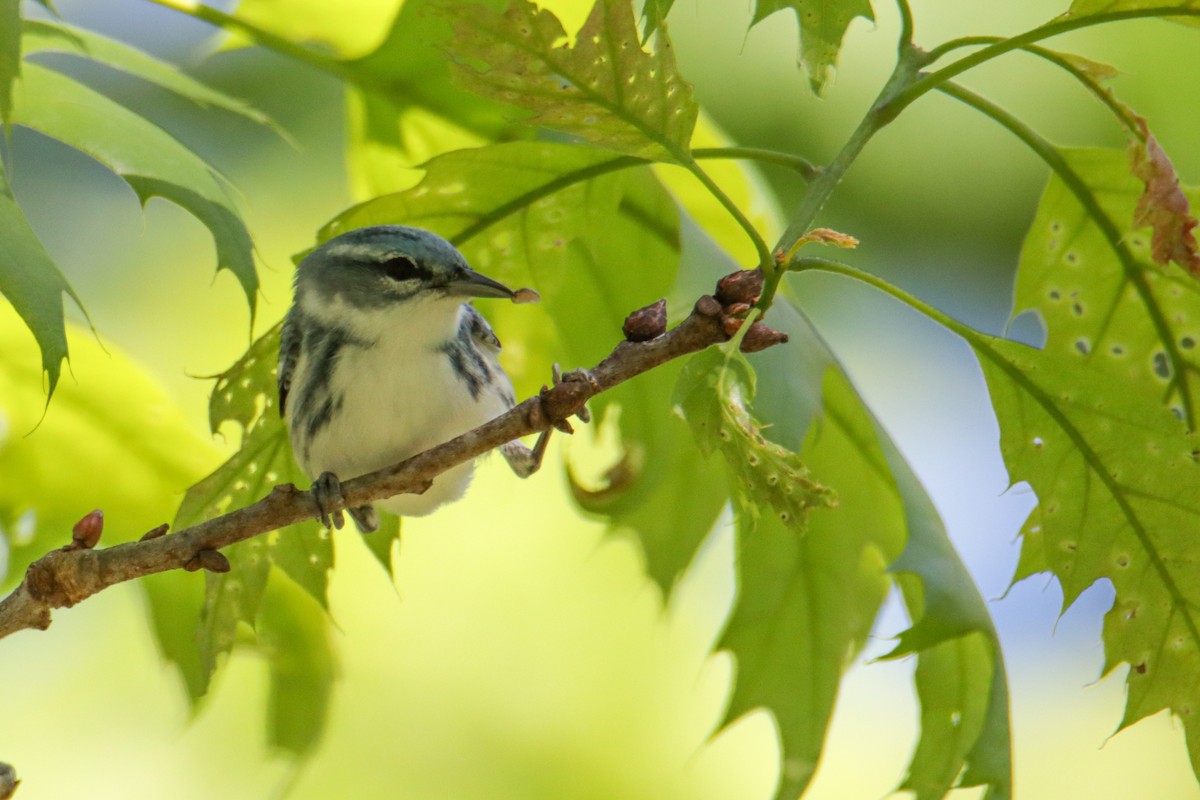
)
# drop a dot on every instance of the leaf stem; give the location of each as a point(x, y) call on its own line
point(906, 25)
point(881, 112)
point(806, 169)
point(815, 264)
point(760, 245)
point(1062, 24)
point(1119, 110)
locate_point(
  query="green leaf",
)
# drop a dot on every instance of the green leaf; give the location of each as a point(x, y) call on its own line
point(1115, 475)
point(1097, 423)
point(149, 159)
point(823, 24)
point(960, 676)
point(32, 282)
point(494, 189)
point(10, 54)
point(807, 599)
point(247, 394)
point(294, 632)
point(603, 88)
point(58, 464)
point(59, 37)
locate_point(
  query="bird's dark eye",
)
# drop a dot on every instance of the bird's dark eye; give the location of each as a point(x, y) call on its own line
point(403, 268)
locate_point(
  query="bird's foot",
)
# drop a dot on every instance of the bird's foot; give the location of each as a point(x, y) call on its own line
point(525, 461)
point(574, 376)
point(326, 493)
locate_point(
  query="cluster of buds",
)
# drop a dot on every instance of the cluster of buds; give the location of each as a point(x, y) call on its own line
point(735, 295)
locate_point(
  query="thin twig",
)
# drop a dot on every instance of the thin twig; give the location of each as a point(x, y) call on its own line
point(65, 577)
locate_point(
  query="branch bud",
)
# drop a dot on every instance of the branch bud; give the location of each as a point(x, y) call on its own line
point(86, 532)
point(646, 323)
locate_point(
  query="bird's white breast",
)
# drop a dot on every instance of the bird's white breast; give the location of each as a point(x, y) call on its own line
point(400, 396)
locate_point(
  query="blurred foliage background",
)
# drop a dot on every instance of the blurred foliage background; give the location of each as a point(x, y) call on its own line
point(518, 655)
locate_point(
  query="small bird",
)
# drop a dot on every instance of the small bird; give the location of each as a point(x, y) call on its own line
point(382, 356)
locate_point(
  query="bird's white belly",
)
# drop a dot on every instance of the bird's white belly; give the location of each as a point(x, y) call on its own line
point(398, 401)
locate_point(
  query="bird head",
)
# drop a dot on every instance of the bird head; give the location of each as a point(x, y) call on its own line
point(383, 265)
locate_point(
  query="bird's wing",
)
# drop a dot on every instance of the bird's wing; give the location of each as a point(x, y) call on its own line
point(480, 330)
point(289, 354)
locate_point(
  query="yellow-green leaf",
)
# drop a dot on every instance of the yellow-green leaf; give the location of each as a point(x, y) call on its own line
point(113, 439)
point(604, 87)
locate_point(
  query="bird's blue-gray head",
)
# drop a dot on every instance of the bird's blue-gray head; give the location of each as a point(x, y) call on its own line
point(371, 268)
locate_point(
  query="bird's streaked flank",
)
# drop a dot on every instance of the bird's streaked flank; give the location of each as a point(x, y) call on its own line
point(382, 356)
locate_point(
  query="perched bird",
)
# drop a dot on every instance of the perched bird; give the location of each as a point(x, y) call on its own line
point(382, 356)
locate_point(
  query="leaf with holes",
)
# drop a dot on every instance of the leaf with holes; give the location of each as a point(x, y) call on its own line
point(145, 156)
point(1092, 279)
point(1115, 474)
point(823, 24)
point(246, 394)
point(604, 87)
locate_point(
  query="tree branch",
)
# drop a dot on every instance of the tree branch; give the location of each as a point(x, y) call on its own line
point(67, 576)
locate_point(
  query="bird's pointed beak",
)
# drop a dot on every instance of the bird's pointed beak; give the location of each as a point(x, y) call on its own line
point(472, 284)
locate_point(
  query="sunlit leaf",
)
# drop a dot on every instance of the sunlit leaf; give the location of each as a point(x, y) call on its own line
point(59, 37)
point(33, 284)
point(246, 394)
point(60, 466)
point(145, 156)
point(350, 28)
point(823, 24)
point(603, 87)
point(410, 70)
point(301, 669)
